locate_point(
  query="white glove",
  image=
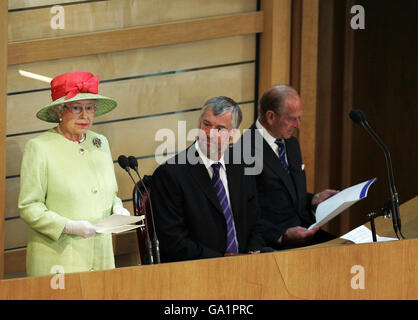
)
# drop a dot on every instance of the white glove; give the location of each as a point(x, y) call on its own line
point(118, 209)
point(80, 228)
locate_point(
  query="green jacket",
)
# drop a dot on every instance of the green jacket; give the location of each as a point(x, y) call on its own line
point(62, 180)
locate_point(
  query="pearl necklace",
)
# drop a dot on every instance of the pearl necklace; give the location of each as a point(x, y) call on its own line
point(78, 141)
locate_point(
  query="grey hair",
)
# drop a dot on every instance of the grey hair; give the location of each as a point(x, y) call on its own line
point(275, 98)
point(55, 111)
point(220, 105)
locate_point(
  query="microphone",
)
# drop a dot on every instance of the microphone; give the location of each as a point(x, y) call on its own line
point(124, 164)
point(359, 117)
point(133, 163)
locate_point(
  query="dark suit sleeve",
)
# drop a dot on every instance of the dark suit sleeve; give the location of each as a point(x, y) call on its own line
point(171, 218)
point(255, 237)
point(309, 197)
point(272, 232)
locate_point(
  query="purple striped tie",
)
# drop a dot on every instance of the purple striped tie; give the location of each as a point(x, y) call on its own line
point(221, 193)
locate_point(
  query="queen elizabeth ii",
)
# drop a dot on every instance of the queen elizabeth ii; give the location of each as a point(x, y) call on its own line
point(68, 183)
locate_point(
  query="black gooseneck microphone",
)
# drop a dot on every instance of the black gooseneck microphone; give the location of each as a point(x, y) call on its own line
point(360, 118)
point(133, 163)
point(124, 164)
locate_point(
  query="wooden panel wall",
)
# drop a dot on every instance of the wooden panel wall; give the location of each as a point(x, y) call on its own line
point(308, 88)
point(385, 87)
point(203, 50)
point(288, 54)
point(375, 70)
point(159, 67)
point(93, 16)
point(329, 119)
point(3, 88)
point(25, 4)
point(275, 44)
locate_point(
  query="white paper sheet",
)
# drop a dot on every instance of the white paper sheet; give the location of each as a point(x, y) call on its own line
point(363, 234)
point(336, 204)
point(117, 223)
point(118, 229)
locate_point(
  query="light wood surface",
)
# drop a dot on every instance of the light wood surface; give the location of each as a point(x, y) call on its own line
point(15, 233)
point(325, 273)
point(139, 62)
point(409, 218)
point(322, 273)
point(347, 101)
point(3, 114)
point(135, 37)
point(12, 194)
point(308, 88)
point(20, 4)
point(274, 60)
point(183, 5)
point(93, 16)
point(15, 262)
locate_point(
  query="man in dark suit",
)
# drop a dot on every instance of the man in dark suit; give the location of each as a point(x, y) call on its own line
point(204, 206)
point(287, 210)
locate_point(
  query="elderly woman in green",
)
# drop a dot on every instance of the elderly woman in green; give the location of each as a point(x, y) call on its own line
point(68, 182)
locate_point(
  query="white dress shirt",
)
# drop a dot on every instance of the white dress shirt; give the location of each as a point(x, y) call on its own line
point(222, 170)
point(222, 173)
point(271, 141)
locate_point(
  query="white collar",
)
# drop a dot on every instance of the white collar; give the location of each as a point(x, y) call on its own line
point(78, 141)
point(266, 135)
point(206, 161)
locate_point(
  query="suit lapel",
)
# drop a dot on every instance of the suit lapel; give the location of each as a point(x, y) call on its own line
point(233, 175)
point(293, 156)
point(274, 163)
point(201, 177)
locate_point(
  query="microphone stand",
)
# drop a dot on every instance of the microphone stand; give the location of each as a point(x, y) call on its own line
point(156, 244)
point(393, 202)
point(384, 212)
point(150, 256)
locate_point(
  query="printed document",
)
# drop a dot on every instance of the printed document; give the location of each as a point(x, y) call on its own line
point(336, 204)
point(363, 234)
point(117, 223)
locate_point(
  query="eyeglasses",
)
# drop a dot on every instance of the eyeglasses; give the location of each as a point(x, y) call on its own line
point(207, 126)
point(76, 109)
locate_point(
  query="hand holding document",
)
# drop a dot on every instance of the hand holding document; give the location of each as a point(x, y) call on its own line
point(336, 204)
point(117, 223)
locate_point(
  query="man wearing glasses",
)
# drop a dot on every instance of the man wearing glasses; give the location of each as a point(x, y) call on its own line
point(287, 209)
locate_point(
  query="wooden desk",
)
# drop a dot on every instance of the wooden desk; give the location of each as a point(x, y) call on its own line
point(409, 219)
point(390, 272)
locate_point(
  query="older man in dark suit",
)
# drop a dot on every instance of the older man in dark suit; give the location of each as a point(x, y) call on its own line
point(204, 206)
point(287, 210)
